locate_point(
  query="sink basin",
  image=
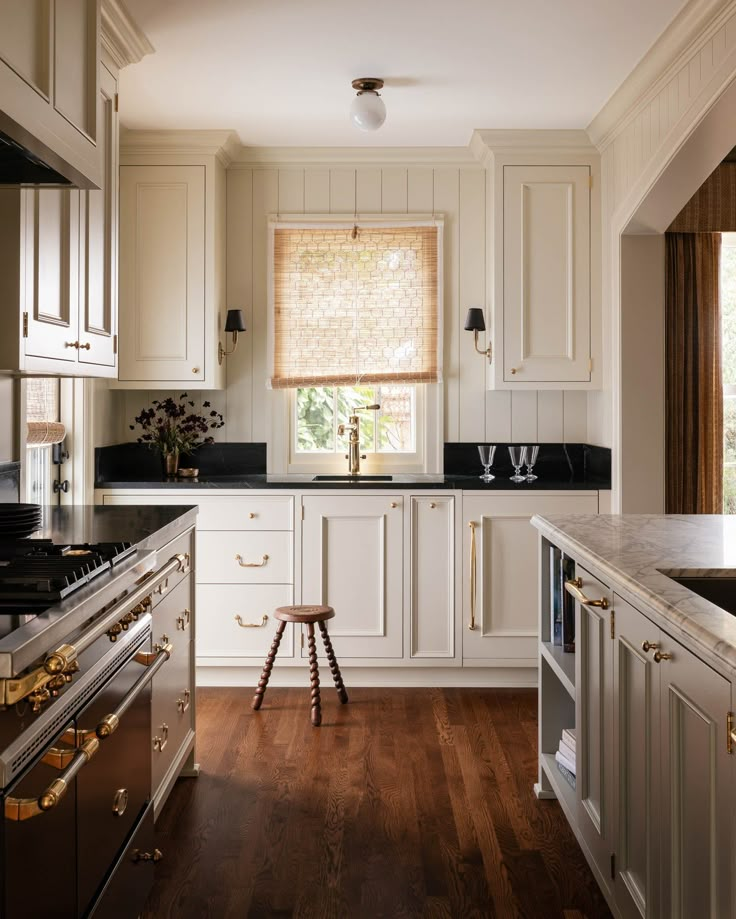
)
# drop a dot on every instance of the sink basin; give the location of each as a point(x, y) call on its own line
point(352, 478)
point(718, 590)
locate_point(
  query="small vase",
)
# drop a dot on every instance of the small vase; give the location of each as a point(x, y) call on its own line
point(171, 462)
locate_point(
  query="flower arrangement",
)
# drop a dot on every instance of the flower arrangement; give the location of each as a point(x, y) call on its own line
point(171, 427)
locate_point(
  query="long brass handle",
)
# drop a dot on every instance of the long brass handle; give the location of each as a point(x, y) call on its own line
point(573, 588)
point(473, 575)
point(159, 743)
point(183, 704)
point(251, 625)
point(24, 808)
point(263, 561)
point(153, 663)
point(662, 656)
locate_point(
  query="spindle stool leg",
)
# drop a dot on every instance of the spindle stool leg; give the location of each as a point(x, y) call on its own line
point(336, 675)
point(314, 675)
point(267, 667)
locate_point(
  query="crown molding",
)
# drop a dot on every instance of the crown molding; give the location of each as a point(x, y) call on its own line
point(221, 144)
point(692, 28)
point(484, 143)
point(121, 37)
point(250, 157)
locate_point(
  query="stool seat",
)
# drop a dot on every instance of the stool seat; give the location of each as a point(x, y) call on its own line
point(304, 613)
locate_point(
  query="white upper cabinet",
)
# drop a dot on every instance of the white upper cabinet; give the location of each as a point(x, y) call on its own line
point(544, 211)
point(171, 278)
point(49, 53)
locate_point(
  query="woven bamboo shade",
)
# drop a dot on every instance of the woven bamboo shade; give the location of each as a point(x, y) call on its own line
point(42, 413)
point(355, 310)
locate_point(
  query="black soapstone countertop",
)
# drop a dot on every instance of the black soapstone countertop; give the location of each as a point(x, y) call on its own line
point(146, 526)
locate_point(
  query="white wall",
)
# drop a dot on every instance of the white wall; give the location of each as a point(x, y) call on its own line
point(454, 186)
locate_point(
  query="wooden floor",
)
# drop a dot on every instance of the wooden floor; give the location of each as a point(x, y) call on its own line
point(411, 802)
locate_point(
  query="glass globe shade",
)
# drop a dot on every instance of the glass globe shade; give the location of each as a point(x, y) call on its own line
point(368, 111)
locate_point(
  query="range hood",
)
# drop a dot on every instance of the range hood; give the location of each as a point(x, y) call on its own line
point(26, 161)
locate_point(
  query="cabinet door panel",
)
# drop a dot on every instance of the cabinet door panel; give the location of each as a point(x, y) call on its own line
point(52, 273)
point(75, 63)
point(636, 726)
point(546, 271)
point(352, 561)
point(162, 264)
point(696, 830)
point(25, 40)
point(432, 578)
point(98, 226)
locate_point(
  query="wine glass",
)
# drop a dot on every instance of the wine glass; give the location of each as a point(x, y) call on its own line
point(531, 458)
point(486, 457)
point(517, 455)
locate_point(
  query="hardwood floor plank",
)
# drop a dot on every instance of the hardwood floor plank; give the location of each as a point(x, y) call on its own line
point(404, 804)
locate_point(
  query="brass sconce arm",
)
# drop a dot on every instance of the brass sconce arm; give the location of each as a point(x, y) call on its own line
point(233, 323)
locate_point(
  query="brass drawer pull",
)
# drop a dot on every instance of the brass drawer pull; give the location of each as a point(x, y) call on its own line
point(648, 646)
point(239, 560)
point(573, 588)
point(159, 743)
point(251, 625)
point(183, 704)
point(662, 656)
point(154, 856)
point(183, 621)
point(162, 588)
point(473, 575)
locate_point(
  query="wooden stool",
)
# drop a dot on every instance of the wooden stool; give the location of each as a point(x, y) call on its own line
point(307, 615)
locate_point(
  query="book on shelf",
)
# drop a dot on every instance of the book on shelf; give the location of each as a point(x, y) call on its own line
point(566, 750)
point(568, 776)
point(567, 573)
point(563, 760)
point(568, 735)
point(555, 596)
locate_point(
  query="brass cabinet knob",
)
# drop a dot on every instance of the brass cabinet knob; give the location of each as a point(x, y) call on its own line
point(513, 370)
point(195, 369)
point(662, 656)
point(251, 516)
point(85, 347)
point(432, 505)
point(394, 504)
point(648, 646)
point(71, 344)
point(154, 856)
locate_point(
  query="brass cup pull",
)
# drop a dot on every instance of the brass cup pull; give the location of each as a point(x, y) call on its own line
point(648, 646)
point(251, 625)
point(183, 704)
point(573, 588)
point(473, 575)
point(154, 856)
point(159, 743)
point(239, 560)
point(662, 656)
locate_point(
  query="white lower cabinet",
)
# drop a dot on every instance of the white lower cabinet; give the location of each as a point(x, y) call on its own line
point(237, 622)
point(352, 560)
point(431, 581)
point(500, 600)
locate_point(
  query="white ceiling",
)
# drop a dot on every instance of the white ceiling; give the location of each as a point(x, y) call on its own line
point(278, 71)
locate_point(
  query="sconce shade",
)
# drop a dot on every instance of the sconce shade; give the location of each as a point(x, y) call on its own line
point(474, 321)
point(234, 321)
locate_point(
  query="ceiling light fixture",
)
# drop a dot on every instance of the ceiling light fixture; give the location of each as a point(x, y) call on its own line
point(368, 111)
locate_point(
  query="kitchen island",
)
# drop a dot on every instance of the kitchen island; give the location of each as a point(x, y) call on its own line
point(647, 698)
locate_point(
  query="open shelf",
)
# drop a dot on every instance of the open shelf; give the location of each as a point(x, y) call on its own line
point(565, 794)
point(562, 664)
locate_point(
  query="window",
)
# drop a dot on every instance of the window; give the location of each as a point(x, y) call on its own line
point(43, 429)
point(356, 320)
point(728, 332)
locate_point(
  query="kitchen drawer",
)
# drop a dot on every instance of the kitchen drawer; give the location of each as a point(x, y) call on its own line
point(172, 711)
point(245, 558)
point(218, 631)
point(225, 513)
point(182, 545)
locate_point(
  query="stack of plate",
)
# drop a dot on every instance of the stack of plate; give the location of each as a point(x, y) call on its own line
point(19, 520)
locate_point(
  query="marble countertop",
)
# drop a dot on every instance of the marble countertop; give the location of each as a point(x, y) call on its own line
point(637, 556)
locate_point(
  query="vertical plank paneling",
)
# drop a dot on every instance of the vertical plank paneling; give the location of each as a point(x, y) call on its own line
point(238, 409)
point(394, 191)
point(368, 191)
point(575, 417)
point(446, 202)
point(524, 416)
point(291, 191)
point(549, 416)
point(342, 191)
point(471, 292)
point(498, 415)
point(265, 202)
point(317, 191)
point(420, 190)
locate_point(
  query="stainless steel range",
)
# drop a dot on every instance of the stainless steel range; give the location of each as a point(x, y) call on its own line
point(76, 666)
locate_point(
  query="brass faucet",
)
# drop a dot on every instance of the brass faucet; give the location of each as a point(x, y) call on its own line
point(354, 456)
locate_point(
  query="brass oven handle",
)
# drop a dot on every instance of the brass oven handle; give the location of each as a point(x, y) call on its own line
point(153, 663)
point(251, 625)
point(573, 588)
point(473, 575)
point(183, 704)
point(159, 743)
point(239, 560)
point(23, 808)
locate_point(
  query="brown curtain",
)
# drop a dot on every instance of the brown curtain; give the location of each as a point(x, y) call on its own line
point(694, 384)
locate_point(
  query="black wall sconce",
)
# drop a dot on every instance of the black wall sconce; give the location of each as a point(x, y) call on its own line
point(474, 322)
point(234, 323)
